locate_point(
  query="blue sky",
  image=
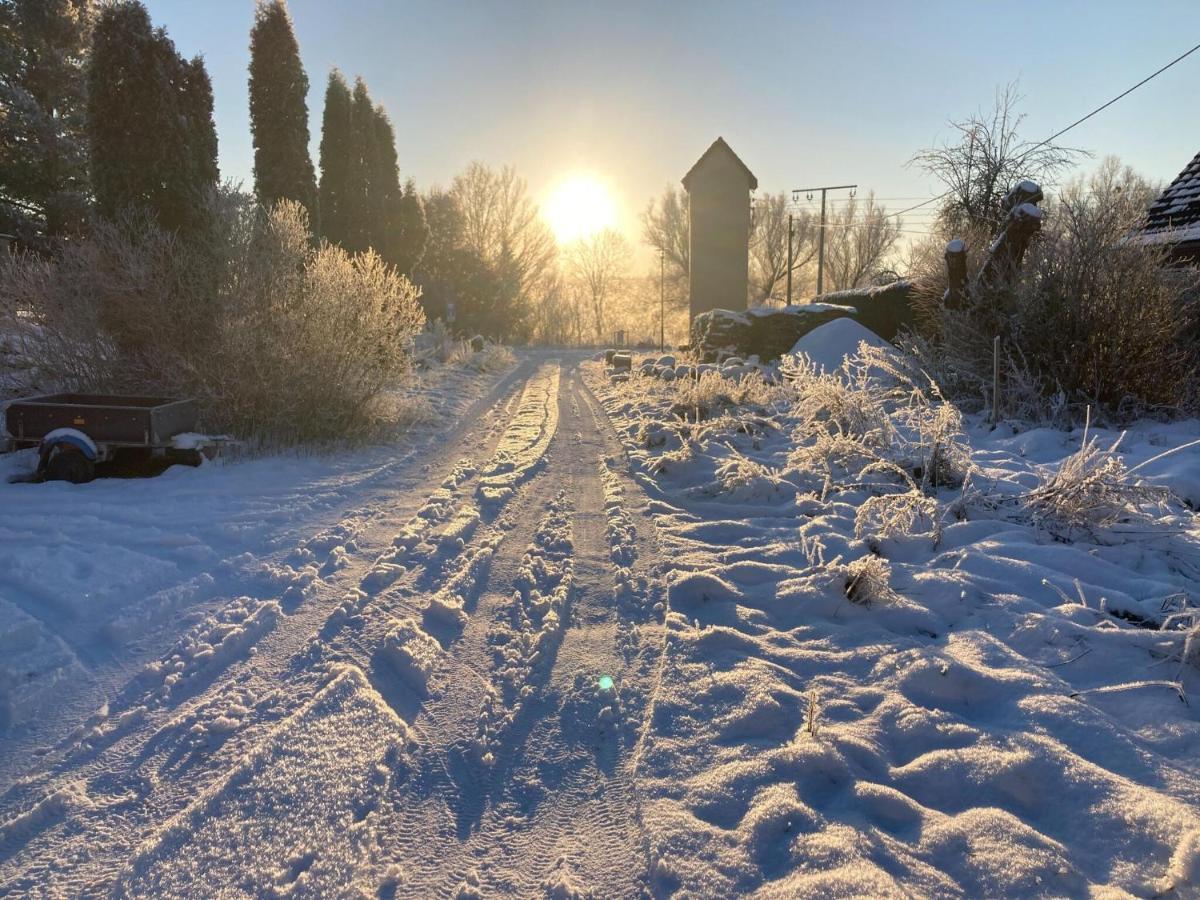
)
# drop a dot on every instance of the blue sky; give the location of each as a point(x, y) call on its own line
point(806, 93)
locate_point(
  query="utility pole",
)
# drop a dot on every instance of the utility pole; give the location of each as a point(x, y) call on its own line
point(821, 239)
point(789, 294)
point(662, 299)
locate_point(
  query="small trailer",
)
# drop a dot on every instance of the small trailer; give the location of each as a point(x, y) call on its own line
point(75, 432)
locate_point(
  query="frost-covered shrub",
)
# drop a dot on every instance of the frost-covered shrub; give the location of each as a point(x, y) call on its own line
point(280, 340)
point(1092, 318)
point(897, 515)
point(714, 393)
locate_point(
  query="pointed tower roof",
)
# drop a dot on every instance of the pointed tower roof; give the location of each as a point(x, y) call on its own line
point(719, 147)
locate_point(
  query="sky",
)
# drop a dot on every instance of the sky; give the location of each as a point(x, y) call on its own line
point(633, 92)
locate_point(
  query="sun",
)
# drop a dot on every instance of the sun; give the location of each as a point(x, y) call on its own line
point(579, 206)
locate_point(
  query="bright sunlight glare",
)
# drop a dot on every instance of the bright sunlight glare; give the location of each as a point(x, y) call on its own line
point(578, 207)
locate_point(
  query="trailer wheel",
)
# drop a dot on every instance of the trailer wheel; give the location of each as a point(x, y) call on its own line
point(67, 463)
point(185, 457)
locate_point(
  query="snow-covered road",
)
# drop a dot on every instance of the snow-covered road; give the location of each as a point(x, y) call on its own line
point(438, 689)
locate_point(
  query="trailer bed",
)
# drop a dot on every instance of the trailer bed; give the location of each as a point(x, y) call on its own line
point(118, 421)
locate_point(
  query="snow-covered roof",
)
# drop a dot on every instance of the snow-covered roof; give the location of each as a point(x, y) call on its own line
point(1175, 216)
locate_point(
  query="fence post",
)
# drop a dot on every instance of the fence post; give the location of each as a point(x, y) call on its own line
point(996, 379)
point(956, 274)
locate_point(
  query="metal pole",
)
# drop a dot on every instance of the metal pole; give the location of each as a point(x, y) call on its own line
point(662, 300)
point(821, 250)
point(821, 240)
point(789, 294)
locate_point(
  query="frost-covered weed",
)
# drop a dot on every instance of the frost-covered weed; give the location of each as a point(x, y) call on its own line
point(898, 515)
point(669, 460)
point(1092, 489)
point(744, 479)
point(714, 394)
point(812, 716)
point(882, 416)
point(868, 581)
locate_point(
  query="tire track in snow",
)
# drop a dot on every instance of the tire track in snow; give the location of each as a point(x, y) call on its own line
point(556, 808)
point(190, 743)
point(553, 808)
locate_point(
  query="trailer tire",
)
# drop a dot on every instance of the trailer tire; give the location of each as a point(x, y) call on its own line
point(64, 462)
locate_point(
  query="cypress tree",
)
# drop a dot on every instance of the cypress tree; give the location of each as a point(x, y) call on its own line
point(364, 169)
point(414, 232)
point(283, 168)
point(153, 141)
point(386, 193)
point(43, 146)
point(336, 160)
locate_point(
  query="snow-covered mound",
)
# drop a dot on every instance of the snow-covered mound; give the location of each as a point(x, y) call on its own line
point(828, 345)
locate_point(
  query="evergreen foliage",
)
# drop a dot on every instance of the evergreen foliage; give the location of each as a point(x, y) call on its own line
point(283, 169)
point(153, 142)
point(43, 149)
point(362, 202)
point(413, 232)
point(336, 161)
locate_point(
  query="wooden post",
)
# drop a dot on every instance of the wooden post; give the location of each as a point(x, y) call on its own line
point(996, 379)
point(956, 274)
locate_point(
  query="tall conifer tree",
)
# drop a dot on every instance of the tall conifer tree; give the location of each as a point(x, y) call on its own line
point(386, 193)
point(336, 160)
point(364, 169)
point(153, 141)
point(414, 231)
point(44, 185)
point(283, 168)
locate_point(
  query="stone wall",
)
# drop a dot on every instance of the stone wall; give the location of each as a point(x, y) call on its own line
point(765, 332)
point(883, 309)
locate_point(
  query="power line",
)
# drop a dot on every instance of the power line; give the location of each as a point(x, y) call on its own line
point(1105, 106)
point(1060, 133)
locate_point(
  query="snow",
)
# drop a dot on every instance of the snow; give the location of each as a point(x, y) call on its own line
point(1029, 211)
point(828, 345)
point(987, 719)
point(579, 638)
point(309, 791)
point(177, 575)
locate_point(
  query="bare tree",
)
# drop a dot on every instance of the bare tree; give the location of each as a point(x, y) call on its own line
point(501, 225)
point(986, 159)
point(665, 227)
point(596, 266)
point(857, 242)
point(769, 248)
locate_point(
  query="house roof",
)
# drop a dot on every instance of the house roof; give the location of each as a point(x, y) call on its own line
point(1175, 216)
point(719, 146)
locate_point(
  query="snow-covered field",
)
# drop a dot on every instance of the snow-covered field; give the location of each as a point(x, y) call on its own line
point(567, 641)
point(874, 686)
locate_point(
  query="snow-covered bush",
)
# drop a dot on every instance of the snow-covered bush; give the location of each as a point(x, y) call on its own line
point(280, 340)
